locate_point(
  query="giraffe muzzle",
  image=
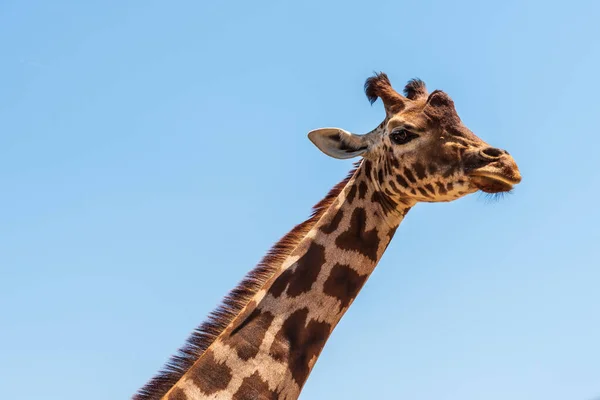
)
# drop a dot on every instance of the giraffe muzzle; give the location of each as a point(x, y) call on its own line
point(492, 170)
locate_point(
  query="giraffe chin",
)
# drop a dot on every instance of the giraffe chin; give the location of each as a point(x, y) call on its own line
point(491, 184)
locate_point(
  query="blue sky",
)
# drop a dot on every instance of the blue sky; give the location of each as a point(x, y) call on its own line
point(151, 152)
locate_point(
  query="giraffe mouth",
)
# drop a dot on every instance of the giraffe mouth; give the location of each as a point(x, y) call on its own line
point(493, 182)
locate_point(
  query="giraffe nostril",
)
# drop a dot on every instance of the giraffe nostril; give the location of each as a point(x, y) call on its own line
point(493, 152)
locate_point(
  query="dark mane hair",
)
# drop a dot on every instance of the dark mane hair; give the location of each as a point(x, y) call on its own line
point(218, 320)
point(375, 85)
point(415, 88)
point(379, 86)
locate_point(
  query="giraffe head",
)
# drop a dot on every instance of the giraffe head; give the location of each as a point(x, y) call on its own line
point(422, 151)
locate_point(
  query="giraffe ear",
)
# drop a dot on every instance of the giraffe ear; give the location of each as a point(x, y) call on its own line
point(338, 143)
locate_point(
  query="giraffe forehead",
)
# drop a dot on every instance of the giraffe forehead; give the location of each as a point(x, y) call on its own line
point(412, 118)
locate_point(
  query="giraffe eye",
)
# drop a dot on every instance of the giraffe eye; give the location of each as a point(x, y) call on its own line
point(402, 136)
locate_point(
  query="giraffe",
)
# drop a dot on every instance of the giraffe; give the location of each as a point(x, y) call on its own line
point(264, 340)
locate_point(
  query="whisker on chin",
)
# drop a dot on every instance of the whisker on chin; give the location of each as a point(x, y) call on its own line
point(490, 198)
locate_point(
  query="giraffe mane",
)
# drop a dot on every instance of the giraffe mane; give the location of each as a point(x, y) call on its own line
point(220, 318)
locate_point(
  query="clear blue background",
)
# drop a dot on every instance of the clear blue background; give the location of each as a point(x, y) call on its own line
point(152, 151)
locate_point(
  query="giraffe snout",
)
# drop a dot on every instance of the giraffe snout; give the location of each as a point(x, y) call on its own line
point(492, 170)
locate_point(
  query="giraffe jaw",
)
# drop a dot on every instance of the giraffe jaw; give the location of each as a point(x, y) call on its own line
point(493, 182)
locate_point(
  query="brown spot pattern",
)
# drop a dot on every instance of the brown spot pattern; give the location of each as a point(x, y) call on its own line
point(299, 279)
point(394, 187)
point(423, 192)
point(387, 203)
point(209, 375)
point(351, 194)
point(362, 190)
point(357, 238)
point(409, 175)
point(368, 167)
point(400, 179)
point(298, 343)
point(307, 270)
point(177, 394)
point(254, 388)
point(441, 188)
point(343, 283)
point(281, 283)
point(248, 336)
point(419, 170)
point(334, 223)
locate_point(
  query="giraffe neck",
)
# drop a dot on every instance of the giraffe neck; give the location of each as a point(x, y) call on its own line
point(270, 348)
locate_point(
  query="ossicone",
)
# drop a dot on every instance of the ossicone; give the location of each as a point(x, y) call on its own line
point(415, 89)
point(379, 86)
